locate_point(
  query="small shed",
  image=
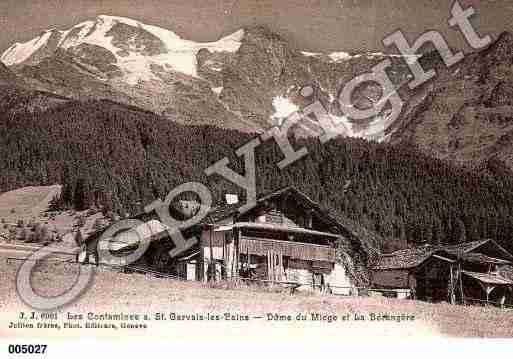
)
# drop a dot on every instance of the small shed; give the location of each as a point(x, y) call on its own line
point(465, 273)
point(416, 272)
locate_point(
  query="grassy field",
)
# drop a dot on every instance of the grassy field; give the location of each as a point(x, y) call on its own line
point(117, 292)
point(30, 204)
point(26, 203)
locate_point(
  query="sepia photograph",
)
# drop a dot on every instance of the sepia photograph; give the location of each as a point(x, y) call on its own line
point(211, 173)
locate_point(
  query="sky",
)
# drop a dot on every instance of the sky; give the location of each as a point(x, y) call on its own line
point(318, 25)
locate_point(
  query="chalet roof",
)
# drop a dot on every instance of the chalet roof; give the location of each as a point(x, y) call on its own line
point(349, 228)
point(225, 211)
point(481, 258)
point(465, 248)
point(152, 230)
point(405, 258)
point(496, 279)
point(459, 249)
point(290, 191)
point(221, 212)
point(413, 257)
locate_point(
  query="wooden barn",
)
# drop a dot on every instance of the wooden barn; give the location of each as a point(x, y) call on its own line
point(465, 273)
point(286, 238)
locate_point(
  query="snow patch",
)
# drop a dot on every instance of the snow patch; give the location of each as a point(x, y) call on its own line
point(373, 130)
point(345, 56)
point(372, 55)
point(136, 70)
point(410, 59)
point(21, 52)
point(98, 37)
point(124, 20)
point(283, 107)
point(216, 68)
point(340, 56)
point(310, 54)
point(63, 35)
point(217, 90)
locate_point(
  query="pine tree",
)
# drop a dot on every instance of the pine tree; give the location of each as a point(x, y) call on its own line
point(460, 231)
point(80, 196)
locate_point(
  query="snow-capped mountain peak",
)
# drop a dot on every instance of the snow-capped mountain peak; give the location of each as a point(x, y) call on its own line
point(135, 47)
point(245, 80)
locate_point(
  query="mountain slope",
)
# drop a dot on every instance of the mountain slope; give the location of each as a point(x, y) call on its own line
point(16, 100)
point(7, 77)
point(247, 80)
point(466, 113)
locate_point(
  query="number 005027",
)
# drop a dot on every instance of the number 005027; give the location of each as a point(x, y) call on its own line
point(27, 348)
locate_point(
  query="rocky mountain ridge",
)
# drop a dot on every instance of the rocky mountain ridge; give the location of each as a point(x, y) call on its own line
point(466, 113)
point(246, 80)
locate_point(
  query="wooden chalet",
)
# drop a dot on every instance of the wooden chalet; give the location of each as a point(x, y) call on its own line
point(465, 273)
point(286, 238)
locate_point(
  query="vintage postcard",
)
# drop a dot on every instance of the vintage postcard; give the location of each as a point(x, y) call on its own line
point(205, 174)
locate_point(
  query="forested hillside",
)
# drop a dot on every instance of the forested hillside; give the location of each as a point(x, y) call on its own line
point(107, 154)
